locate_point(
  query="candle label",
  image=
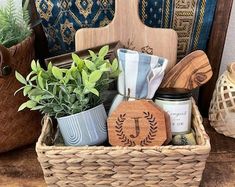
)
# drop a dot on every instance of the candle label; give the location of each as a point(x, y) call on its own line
point(179, 116)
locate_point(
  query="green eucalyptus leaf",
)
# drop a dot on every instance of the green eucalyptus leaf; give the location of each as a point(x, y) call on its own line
point(76, 75)
point(86, 90)
point(89, 85)
point(34, 66)
point(63, 88)
point(77, 91)
point(28, 104)
point(67, 98)
point(40, 81)
point(38, 66)
point(33, 78)
point(84, 76)
point(20, 78)
point(72, 98)
point(115, 74)
point(22, 106)
point(104, 68)
point(75, 105)
point(67, 77)
point(44, 74)
point(108, 64)
point(114, 65)
point(94, 91)
point(57, 108)
point(90, 65)
point(46, 85)
point(26, 90)
point(70, 89)
point(103, 51)
point(39, 107)
point(31, 104)
point(18, 90)
point(47, 96)
point(36, 92)
point(54, 89)
point(57, 73)
point(95, 76)
point(60, 95)
point(64, 70)
point(49, 66)
point(78, 61)
point(36, 98)
point(93, 55)
point(29, 75)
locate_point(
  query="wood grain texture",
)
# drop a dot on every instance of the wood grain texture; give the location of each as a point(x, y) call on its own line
point(191, 72)
point(215, 51)
point(137, 122)
point(127, 28)
point(220, 166)
point(20, 168)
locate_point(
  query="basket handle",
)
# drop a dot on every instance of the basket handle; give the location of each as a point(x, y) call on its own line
point(5, 61)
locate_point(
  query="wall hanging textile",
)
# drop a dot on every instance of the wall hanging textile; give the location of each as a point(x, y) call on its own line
point(191, 19)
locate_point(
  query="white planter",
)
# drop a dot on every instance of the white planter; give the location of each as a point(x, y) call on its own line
point(85, 128)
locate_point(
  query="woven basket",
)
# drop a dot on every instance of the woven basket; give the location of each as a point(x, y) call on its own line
point(17, 128)
point(123, 166)
point(222, 106)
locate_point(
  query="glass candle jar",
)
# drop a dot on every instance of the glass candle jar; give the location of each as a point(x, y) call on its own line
point(178, 104)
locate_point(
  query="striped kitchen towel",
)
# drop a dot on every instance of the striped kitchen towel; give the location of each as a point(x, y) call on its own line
point(140, 77)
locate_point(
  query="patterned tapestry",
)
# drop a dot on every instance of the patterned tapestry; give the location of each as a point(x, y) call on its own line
point(191, 19)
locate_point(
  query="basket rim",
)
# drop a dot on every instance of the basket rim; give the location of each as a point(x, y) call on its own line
point(198, 149)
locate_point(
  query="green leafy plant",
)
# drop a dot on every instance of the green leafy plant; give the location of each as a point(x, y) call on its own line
point(61, 92)
point(13, 28)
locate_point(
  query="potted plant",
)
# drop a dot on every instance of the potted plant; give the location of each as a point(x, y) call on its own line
point(74, 96)
point(16, 53)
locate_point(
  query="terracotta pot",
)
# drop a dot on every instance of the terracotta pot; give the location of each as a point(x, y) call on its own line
point(16, 128)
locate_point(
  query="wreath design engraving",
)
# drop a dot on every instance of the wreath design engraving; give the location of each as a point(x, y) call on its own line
point(147, 140)
point(119, 130)
point(130, 45)
point(147, 49)
point(152, 131)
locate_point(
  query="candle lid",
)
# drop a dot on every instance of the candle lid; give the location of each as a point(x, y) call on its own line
point(173, 93)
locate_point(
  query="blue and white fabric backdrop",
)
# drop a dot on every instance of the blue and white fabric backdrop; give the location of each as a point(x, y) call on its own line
point(191, 19)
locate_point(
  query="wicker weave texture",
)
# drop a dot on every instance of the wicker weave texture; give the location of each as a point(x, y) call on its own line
point(17, 128)
point(124, 166)
point(222, 106)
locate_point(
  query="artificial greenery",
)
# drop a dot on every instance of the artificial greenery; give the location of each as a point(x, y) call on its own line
point(14, 29)
point(62, 92)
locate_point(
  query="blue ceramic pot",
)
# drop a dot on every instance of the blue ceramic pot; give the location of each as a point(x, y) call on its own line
point(85, 128)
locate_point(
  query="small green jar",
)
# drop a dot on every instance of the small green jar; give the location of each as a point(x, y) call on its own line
point(178, 104)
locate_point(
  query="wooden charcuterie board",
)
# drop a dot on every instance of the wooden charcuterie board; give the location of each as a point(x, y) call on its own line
point(127, 28)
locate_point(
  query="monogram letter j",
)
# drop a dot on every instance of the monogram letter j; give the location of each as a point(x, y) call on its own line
point(137, 128)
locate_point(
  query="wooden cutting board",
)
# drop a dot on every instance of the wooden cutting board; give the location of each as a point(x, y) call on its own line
point(127, 28)
point(191, 72)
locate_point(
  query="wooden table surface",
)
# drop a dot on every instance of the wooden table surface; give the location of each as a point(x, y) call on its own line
point(20, 168)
